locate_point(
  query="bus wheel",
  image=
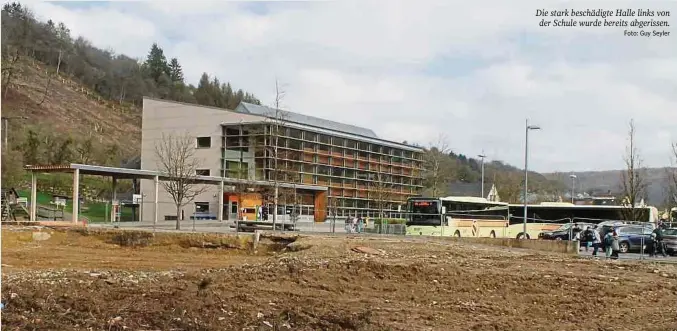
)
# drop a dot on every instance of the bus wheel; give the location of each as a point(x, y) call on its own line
point(521, 235)
point(492, 234)
point(457, 234)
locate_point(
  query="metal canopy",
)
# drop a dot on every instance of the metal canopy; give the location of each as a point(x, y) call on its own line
point(125, 173)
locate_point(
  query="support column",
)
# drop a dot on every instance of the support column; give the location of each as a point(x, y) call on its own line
point(76, 195)
point(34, 197)
point(114, 196)
point(156, 180)
point(221, 203)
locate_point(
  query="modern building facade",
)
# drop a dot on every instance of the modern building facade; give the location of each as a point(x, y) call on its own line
point(364, 175)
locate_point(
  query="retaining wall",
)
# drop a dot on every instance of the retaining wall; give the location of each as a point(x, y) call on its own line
point(558, 246)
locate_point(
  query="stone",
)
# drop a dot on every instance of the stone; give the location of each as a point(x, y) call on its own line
point(41, 236)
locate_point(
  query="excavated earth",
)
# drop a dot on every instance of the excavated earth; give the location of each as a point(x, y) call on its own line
point(98, 280)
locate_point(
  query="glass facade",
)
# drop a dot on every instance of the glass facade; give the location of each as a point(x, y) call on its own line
point(363, 177)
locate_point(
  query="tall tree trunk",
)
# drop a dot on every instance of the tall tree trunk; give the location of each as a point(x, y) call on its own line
point(58, 64)
point(178, 217)
point(44, 94)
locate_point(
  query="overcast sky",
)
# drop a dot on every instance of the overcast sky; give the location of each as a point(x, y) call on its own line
point(411, 70)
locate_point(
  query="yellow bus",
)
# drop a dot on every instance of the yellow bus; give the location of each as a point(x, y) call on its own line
point(457, 216)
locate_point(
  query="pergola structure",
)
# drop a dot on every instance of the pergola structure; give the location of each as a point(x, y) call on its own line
point(126, 173)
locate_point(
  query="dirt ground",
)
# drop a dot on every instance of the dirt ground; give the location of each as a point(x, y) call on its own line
point(80, 280)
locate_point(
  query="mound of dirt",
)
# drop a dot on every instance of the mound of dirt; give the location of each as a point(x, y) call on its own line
point(329, 286)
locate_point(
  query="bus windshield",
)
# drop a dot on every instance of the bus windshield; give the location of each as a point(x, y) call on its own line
point(424, 212)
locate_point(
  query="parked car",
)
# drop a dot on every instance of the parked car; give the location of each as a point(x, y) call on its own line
point(633, 238)
point(564, 232)
point(670, 240)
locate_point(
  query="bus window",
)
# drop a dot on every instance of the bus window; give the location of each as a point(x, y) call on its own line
point(429, 207)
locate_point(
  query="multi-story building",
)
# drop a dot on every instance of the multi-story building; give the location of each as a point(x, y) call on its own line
point(363, 174)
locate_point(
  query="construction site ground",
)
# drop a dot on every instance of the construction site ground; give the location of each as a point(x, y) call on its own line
point(132, 280)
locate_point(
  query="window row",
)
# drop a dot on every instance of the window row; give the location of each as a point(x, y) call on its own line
point(297, 135)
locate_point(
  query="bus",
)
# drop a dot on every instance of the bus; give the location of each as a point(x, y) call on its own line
point(549, 216)
point(673, 215)
point(456, 216)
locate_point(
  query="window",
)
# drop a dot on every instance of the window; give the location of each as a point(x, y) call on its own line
point(202, 207)
point(204, 142)
point(202, 172)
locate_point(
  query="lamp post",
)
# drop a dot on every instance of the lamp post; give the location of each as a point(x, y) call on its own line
point(482, 156)
point(526, 172)
point(573, 185)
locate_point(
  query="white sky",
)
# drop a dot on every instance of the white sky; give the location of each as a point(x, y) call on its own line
point(411, 70)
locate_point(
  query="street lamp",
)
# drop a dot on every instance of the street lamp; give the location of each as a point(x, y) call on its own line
point(482, 156)
point(573, 185)
point(526, 171)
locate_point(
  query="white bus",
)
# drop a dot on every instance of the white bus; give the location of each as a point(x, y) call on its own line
point(457, 216)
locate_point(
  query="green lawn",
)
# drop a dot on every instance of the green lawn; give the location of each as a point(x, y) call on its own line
point(94, 211)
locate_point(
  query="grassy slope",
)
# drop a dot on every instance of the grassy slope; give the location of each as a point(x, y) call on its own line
point(70, 109)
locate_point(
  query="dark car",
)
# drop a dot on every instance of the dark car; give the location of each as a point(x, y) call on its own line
point(564, 232)
point(670, 240)
point(633, 238)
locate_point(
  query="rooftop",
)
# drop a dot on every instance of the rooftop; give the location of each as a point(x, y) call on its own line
point(289, 116)
point(125, 173)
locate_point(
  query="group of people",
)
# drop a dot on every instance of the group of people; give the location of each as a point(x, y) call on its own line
point(610, 244)
point(355, 224)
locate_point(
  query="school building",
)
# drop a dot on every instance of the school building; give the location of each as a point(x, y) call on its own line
point(322, 167)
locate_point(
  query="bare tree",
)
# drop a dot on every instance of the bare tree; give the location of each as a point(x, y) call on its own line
point(633, 182)
point(333, 206)
point(277, 119)
point(176, 158)
point(437, 172)
point(381, 192)
point(63, 40)
point(672, 176)
point(20, 27)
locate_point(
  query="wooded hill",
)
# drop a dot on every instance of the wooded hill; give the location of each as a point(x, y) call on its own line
point(69, 101)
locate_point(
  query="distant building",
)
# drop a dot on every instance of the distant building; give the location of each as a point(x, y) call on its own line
point(355, 165)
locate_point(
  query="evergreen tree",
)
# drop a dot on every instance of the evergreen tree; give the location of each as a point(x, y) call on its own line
point(156, 63)
point(175, 71)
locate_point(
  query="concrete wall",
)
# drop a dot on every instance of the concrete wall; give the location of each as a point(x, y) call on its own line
point(558, 246)
point(196, 121)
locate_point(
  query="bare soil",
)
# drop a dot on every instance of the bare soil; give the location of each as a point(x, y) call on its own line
point(81, 280)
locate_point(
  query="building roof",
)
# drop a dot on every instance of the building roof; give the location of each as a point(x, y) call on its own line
point(125, 173)
point(377, 141)
point(289, 116)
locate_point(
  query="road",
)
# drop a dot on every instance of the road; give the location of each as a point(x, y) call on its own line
point(311, 227)
point(631, 256)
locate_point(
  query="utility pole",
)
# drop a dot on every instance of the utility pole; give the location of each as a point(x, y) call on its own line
point(5, 128)
point(482, 156)
point(573, 185)
point(526, 172)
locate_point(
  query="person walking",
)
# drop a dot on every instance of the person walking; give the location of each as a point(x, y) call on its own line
point(608, 242)
point(596, 242)
point(615, 245)
point(658, 243)
point(588, 238)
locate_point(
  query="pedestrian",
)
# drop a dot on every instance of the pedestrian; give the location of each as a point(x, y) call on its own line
point(347, 225)
point(659, 246)
point(608, 242)
point(653, 245)
point(615, 246)
point(596, 242)
point(359, 224)
point(588, 238)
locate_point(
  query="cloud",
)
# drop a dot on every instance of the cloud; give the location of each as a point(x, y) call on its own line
point(410, 71)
